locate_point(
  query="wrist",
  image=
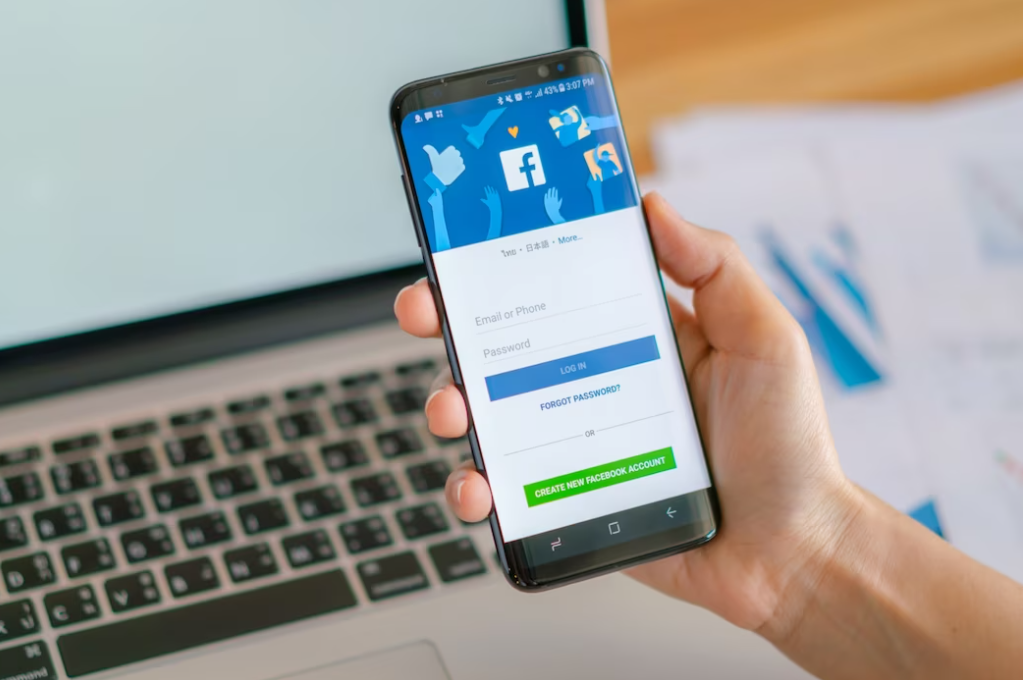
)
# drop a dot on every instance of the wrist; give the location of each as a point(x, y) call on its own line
point(851, 612)
point(836, 549)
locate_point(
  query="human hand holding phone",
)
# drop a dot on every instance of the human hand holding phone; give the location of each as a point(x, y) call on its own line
point(756, 394)
point(559, 332)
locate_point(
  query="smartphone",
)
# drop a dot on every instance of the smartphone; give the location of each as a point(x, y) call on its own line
point(554, 317)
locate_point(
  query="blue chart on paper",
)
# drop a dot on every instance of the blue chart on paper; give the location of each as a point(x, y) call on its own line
point(927, 514)
point(846, 361)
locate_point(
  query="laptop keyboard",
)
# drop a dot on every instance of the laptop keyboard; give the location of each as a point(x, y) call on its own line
point(200, 525)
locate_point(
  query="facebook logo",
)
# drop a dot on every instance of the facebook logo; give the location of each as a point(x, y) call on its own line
point(522, 167)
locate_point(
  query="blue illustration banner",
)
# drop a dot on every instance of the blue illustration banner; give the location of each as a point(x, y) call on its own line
point(518, 161)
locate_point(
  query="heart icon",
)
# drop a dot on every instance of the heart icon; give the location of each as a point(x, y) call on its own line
point(514, 131)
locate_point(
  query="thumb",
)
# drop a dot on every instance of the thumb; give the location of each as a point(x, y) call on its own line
point(431, 152)
point(736, 310)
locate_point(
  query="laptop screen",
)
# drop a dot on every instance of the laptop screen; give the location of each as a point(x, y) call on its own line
point(160, 157)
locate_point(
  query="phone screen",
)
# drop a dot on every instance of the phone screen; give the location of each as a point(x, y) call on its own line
point(556, 313)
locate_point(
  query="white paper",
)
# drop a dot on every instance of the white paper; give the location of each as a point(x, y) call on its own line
point(728, 133)
point(947, 225)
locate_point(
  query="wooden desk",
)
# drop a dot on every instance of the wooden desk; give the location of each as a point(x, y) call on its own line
point(670, 55)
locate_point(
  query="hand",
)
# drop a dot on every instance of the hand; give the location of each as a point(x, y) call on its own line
point(552, 204)
point(491, 199)
point(446, 166)
point(785, 501)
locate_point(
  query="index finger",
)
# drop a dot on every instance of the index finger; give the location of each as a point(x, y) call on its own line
point(416, 311)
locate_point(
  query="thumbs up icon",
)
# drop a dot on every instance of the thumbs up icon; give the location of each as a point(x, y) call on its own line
point(446, 166)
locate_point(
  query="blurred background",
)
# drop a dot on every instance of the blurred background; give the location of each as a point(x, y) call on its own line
point(670, 56)
point(868, 157)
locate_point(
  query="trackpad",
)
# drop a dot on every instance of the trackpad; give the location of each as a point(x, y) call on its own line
point(419, 660)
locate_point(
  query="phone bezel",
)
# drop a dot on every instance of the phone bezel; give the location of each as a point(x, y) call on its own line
point(433, 92)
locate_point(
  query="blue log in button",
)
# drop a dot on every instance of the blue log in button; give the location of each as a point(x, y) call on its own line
point(575, 367)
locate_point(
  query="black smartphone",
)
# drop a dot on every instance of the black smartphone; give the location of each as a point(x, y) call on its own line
point(554, 316)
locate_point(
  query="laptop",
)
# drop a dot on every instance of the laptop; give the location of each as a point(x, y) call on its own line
point(213, 459)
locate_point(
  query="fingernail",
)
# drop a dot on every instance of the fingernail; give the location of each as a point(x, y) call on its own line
point(457, 482)
point(426, 406)
point(398, 297)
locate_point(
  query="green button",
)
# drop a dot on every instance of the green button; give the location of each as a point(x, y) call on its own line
point(608, 474)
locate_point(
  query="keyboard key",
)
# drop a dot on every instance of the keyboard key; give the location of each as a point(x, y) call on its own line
point(179, 493)
point(20, 489)
point(344, 455)
point(365, 534)
point(407, 400)
point(145, 637)
point(118, 508)
point(319, 503)
point(83, 559)
point(249, 405)
point(359, 380)
point(134, 430)
point(30, 660)
point(305, 392)
point(309, 548)
point(262, 516)
point(291, 467)
point(126, 593)
point(192, 418)
point(189, 450)
point(125, 465)
point(17, 619)
point(58, 522)
point(389, 576)
point(456, 560)
point(300, 425)
point(400, 442)
point(30, 571)
point(374, 489)
point(77, 476)
point(427, 477)
point(71, 606)
point(192, 577)
point(233, 481)
point(205, 530)
point(422, 520)
point(252, 562)
point(354, 412)
point(12, 534)
point(26, 454)
point(147, 544)
point(245, 438)
point(80, 442)
point(412, 368)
